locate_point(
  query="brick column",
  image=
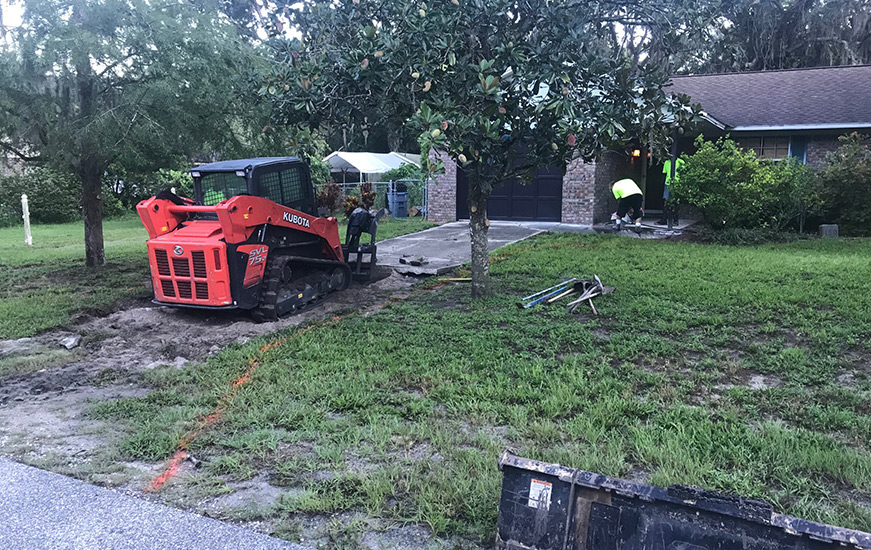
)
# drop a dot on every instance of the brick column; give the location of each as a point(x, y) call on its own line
point(579, 192)
point(610, 167)
point(442, 191)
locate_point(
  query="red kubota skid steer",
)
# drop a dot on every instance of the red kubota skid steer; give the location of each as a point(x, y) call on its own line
point(251, 239)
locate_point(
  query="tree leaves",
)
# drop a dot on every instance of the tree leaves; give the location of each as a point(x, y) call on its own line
point(509, 76)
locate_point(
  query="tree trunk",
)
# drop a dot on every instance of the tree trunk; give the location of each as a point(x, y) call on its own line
point(92, 210)
point(479, 225)
point(394, 136)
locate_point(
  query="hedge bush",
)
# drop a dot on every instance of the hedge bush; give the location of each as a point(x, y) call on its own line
point(52, 197)
point(845, 185)
point(734, 189)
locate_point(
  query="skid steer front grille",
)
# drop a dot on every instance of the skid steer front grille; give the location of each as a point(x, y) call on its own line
point(168, 289)
point(162, 262)
point(181, 267)
point(199, 259)
point(185, 278)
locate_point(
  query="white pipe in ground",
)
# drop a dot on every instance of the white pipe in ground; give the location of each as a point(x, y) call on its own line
point(28, 238)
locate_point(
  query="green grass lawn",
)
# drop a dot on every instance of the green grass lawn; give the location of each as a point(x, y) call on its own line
point(43, 285)
point(392, 227)
point(736, 369)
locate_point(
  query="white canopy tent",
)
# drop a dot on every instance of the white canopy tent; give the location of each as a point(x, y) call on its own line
point(365, 165)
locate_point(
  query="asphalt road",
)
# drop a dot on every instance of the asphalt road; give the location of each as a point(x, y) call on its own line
point(40, 510)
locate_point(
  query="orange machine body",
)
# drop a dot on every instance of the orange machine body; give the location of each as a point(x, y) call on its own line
point(196, 262)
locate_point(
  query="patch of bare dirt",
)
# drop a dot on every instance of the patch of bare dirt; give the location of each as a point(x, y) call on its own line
point(132, 340)
point(42, 412)
point(764, 382)
point(256, 492)
point(43, 420)
point(350, 530)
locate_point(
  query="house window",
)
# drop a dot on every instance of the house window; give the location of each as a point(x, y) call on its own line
point(767, 147)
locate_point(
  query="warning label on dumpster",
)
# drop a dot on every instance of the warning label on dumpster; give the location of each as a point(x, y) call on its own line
point(539, 494)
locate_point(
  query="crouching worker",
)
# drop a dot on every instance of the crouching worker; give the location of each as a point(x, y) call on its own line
point(629, 201)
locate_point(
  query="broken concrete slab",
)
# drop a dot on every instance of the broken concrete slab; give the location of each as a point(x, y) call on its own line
point(71, 342)
point(445, 247)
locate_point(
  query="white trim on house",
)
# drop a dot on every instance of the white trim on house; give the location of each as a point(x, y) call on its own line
point(705, 116)
point(714, 121)
point(802, 127)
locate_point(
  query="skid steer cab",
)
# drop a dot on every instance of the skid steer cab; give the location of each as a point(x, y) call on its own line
point(250, 239)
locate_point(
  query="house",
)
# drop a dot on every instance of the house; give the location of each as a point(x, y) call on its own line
point(798, 113)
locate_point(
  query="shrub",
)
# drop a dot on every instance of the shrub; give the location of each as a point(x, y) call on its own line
point(733, 189)
point(793, 195)
point(53, 197)
point(351, 204)
point(320, 172)
point(367, 195)
point(328, 197)
point(846, 185)
point(404, 172)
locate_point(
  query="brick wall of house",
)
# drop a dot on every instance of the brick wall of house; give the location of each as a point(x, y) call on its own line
point(578, 202)
point(818, 148)
point(610, 167)
point(442, 192)
point(586, 193)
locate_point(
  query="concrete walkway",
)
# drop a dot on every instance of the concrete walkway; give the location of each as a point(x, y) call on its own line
point(40, 510)
point(445, 247)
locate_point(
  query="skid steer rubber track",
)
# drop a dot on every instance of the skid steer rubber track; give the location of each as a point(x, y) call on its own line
point(293, 283)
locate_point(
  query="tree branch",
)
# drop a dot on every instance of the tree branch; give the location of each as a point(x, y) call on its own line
point(9, 149)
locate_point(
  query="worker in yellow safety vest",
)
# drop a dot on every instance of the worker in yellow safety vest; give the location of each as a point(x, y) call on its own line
point(669, 208)
point(629, 201)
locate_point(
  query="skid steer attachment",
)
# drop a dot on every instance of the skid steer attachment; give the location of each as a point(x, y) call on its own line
point(549, 507)
point(361, 257)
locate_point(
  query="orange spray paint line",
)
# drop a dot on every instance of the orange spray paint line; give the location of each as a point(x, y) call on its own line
point(224, 402)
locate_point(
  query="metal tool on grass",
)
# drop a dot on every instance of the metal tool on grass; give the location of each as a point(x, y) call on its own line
point(591, 290)
point(579, 285)
point(542, 295)
point(563, 295)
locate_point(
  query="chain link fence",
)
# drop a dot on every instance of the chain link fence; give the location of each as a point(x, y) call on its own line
point(403, 198)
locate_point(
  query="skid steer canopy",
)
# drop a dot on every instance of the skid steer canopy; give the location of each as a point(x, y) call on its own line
point(549, 507)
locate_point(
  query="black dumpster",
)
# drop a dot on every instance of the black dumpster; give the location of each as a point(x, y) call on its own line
point(549, 507)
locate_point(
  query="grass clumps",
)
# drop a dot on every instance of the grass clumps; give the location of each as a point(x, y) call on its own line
point(736, 369)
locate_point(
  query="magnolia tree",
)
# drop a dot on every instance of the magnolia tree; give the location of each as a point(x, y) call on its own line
point(503, 88)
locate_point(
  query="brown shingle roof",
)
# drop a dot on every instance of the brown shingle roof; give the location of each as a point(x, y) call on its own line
point(836, 96)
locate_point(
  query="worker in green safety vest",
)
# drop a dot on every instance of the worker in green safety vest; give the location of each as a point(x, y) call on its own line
point(629, 201)
point(669, 208)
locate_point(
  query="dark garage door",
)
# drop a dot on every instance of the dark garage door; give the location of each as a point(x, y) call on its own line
point(540, 200)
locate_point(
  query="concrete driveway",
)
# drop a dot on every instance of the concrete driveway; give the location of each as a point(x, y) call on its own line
point(445, 247)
